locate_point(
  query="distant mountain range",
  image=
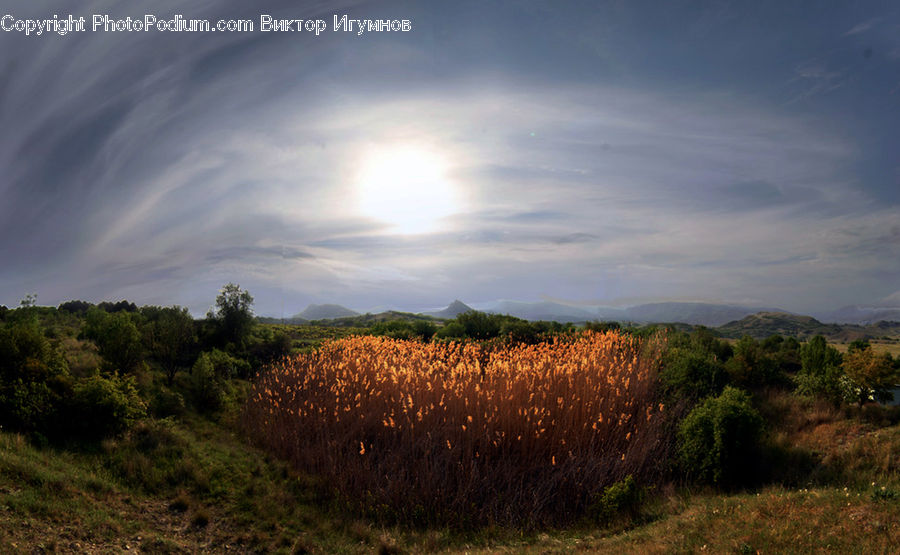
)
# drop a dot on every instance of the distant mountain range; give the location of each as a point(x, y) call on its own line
point(707, 314)
point(694, 313)
point(862, 314)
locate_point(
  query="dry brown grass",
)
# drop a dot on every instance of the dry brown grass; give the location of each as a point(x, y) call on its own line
point(456, 434)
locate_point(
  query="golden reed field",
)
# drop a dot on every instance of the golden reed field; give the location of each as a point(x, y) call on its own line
point(462, 433)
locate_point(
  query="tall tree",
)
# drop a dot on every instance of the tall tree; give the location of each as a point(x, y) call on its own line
point(234, 313)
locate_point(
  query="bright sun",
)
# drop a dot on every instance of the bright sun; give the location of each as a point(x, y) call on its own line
point(406, 186)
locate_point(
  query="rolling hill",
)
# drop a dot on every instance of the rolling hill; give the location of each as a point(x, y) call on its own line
point(324, 312)
point(764, 324)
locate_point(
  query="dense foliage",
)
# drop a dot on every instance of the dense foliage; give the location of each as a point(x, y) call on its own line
point(438, 406)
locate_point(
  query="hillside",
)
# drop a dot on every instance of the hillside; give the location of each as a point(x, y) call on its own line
point(366, 320)
point(706, 314)
point(324, 312)
point(764, 324)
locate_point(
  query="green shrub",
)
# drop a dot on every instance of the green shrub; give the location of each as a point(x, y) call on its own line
point(752, 367)
point(424, 329)
point(871, 377)
point(117, 338)
point(34, 379)
point(479, 325)
point(165, 402)
point(208, 382)
point(451, 330)
point(620, 500)
point(719, 441)
point(397, 329)
point(690, 374)
point(104, 406)
point(829, 383)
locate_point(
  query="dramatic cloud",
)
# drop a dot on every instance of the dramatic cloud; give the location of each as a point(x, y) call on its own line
point(158, 167)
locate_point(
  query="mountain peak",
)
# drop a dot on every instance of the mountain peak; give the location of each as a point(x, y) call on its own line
point(453, 310)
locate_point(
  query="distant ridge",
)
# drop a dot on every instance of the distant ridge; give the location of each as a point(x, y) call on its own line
point(764, 324)
point(706, 314)
point(324, 312)
point(861, 314)
point(544, 310)
point(453, 310)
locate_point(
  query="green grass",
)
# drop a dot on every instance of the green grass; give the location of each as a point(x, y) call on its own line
point(196, 485)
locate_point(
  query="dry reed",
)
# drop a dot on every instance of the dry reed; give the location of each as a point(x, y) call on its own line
point(458, 434)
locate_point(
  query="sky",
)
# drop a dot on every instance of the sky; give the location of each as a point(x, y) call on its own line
point(593, 152)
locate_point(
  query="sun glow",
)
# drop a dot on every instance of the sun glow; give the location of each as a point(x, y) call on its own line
point(407, 187)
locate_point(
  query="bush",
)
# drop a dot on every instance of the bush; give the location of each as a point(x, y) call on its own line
point(208, 382)
point(424, 329)
point(622, 499)
point(688, 374)
point(34, 379)
point(104, 406)
point(451, 330)
point(165, 402)
point(117, 338)
point(871, 376)
point(720, 439)
point(751, 366)
point(820, 373)
point(479, 325)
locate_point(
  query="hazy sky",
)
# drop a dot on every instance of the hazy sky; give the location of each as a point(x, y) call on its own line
point(618, 151)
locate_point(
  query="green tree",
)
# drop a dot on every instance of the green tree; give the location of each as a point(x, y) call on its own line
point(169, 338)
point(751, 366)
point(34, 377)
point(821, 374)
point(479, 325)
point(691, 374)
point(209, 380)
point(234, 314)
point(872, 376)
point(104, 406)
point(117, 338)
point(720, 440)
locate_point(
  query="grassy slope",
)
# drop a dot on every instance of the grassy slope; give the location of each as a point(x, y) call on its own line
point(764, 324)
point(219, 494)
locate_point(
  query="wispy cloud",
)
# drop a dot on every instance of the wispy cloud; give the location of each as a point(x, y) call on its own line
point(862, 27)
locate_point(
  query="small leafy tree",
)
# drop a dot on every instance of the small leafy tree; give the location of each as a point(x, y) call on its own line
point(451, 330)
point(821, 374)
point(117, 338)
point(479, 325)
point(751, 366)
point(34, 378)
point(871, 376)
point(169, 339)
point(720, 440)
point(104, 406)
point(209, 379)
point(691, 374)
